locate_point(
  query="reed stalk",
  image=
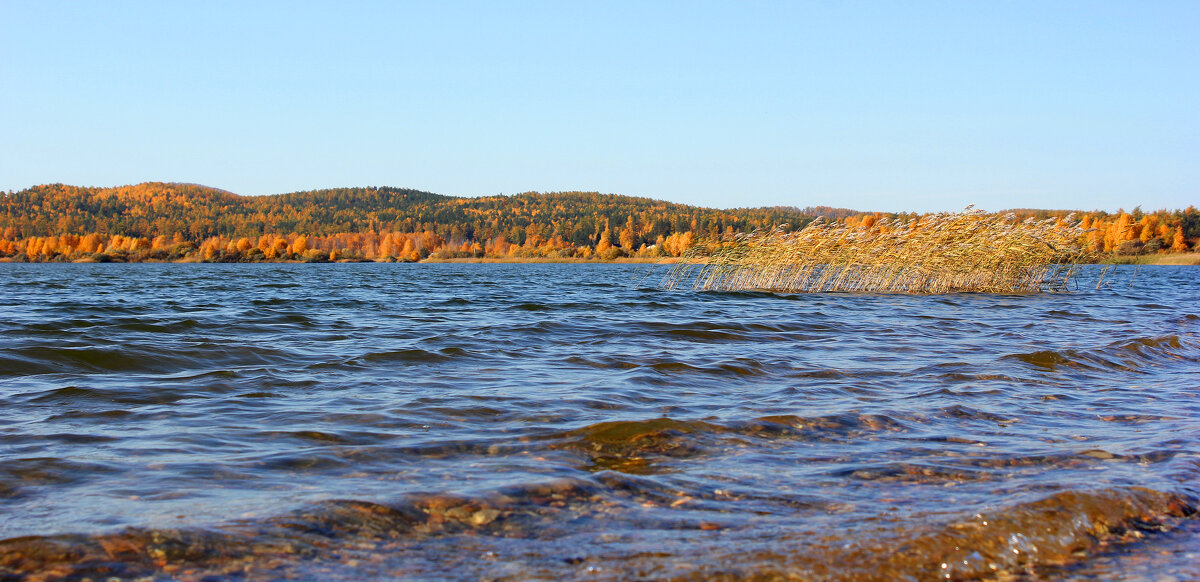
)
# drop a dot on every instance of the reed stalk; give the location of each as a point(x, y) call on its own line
point(968, 251)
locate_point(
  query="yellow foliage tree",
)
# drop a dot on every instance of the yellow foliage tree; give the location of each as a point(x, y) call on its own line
point(605, 241)
point(299, 245)
point(1120, 231)
point(1178, 243)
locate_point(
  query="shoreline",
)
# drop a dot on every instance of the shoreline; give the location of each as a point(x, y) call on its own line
point(1178, 259)
point(427, 261)
point(1175, 259)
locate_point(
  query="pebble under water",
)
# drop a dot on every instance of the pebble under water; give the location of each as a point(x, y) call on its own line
point(573, 421)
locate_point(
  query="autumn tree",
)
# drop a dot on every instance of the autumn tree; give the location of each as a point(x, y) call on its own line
point(299, 246)
point(1178, 242)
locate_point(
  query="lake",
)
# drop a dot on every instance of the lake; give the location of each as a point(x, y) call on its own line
point(573, 421)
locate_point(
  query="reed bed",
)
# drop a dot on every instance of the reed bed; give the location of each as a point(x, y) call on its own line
point(968, 251)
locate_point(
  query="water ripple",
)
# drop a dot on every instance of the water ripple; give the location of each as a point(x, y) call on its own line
point(352, 421)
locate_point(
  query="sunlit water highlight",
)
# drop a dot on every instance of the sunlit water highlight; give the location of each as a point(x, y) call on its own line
point(350, 421)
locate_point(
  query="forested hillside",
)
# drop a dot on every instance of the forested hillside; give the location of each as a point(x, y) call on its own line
point(172, 221)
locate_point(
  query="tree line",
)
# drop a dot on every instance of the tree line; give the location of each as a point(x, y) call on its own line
point(173, 221)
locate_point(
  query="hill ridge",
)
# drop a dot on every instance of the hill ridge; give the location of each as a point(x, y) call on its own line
point(193, 213)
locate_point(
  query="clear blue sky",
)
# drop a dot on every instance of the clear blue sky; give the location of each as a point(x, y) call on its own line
point(868, 105)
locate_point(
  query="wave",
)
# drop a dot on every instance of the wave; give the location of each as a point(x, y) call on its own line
point(75, 395)
point(1125, 355)
point(1061, 528)
point(19, 474)
point(455, 423)
point(546, 522)
point(48, 360)
point(415, 356)
point(143, 357)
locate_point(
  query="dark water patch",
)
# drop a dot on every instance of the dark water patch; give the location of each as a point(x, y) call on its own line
point(649, 305)
point(50, 360)
point(843, 425)
point(1157, 349)
point(829, 374)
point(278, 285)
point(73, 395)
point(159, 327)
point(464, 412)
point(1059, 396)
point(350, 438)
point(532, 307)
point(1062, 314)
point(955, 392)
point(307, 435)
point(760, 294)
point(97, 311)
point(301, 463)
point(276, 381)
point(604, 362)
point(40, 284)
point(946, 368)
point(543, 328)
point(645, 446)
point(340, 364)
point(72, 438)
point(112, 414)
point(922, 473)
point(61, 325)
point(34, 471)
point(618, 435)
point(443, 450)
point(950, 441)
point(741, 367)
point(734, 331)
point(1135, 418)
point(266, 316)
point(414, 356)
point(965, 377)
point(636, 447)
point(207, 353)
point(1122, 356)
point(959, 411)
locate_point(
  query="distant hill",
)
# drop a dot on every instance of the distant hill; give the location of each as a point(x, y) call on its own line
point(198, 212)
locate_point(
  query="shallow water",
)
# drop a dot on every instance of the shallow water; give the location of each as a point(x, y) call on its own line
point(349, 421)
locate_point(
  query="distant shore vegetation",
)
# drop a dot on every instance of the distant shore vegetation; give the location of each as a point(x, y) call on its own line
point(191, 223)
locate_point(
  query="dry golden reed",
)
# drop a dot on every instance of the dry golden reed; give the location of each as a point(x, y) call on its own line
point(968, 251)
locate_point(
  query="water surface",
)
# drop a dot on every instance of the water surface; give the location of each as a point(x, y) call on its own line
point(349, 421)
